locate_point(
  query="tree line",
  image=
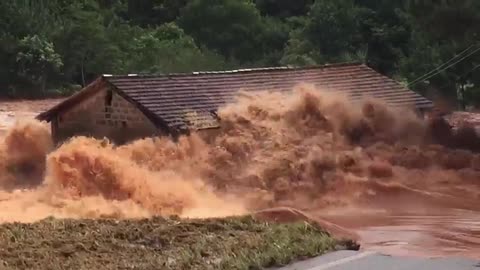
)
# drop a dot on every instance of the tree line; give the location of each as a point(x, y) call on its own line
point(54, 47)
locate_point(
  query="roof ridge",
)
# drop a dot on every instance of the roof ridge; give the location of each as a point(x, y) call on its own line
point(242, 70)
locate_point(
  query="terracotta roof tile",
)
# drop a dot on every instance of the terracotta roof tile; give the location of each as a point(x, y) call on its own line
point(188, 100)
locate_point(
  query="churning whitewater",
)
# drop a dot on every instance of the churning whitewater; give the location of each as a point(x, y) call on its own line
point(307, 149)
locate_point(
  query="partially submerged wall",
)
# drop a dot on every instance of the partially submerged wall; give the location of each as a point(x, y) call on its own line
point(105, 114)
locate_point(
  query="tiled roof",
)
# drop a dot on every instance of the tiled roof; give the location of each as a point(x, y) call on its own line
point(190, 100)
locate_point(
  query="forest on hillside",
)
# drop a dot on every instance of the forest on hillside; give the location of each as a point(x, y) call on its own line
point(54, 47)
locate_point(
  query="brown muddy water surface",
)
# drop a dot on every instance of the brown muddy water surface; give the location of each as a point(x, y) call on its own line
point(368, 168)
point(17, 110)
point(451, 233)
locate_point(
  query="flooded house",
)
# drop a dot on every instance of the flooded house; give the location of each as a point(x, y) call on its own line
point(124, 108)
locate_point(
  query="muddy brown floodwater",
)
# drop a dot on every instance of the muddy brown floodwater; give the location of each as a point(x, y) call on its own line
point(445, 233)
point(439, 223)
point(366, 167)
point(18, 110)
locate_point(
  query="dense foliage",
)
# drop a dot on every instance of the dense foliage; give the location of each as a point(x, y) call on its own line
point(55, 46)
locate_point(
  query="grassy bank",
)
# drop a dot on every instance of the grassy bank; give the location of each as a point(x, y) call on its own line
point(236, 243)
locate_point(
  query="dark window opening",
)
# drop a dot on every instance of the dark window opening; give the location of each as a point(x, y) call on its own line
point(108, 98)
point(124, 124)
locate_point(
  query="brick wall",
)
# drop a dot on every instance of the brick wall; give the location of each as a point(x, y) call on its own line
point(105, 114)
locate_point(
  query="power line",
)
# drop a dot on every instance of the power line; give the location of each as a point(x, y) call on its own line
point(462, 76)
point(443, 67)
point(444, 64)
point(460, 60)
point(438, 71)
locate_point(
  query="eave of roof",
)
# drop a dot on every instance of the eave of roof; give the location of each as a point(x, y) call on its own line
point(83, 94)
point(88, 91)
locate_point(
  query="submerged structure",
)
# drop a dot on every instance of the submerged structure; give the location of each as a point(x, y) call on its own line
point(124, 108)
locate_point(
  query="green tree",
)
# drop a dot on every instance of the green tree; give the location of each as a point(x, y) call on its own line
point(229, 27)
point(385, 33)
point(154, 12)
point(20, 22)
point(274, 37)
point(447, 34)
point(84, 43)
point(330, 33)
point(332, 27)
point(36, 59)
point(168, 49)
point(284, 8)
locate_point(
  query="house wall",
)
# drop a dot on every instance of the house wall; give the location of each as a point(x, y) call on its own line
point(105, 114)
